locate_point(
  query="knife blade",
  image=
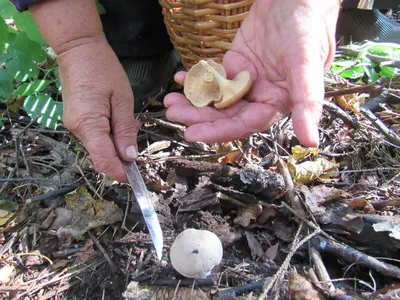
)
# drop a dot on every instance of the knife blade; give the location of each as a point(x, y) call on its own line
point(142, 197)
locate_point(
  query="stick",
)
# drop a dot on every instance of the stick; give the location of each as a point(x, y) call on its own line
point(334, 109)
point(352, 255)
point(321, 269)
point(389, 134)
point(55, 193)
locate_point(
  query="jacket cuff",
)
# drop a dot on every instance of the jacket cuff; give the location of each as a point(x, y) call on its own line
point(22, 5)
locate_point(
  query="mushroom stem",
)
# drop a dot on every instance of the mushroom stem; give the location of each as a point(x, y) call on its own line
point(220, 79)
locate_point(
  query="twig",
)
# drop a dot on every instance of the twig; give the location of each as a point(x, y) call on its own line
point(26, 179)
point(390, 135)
point(177, 127)
point(104, 252)
point(290, 193)
point(352, 255)
point(230, 293)
point(308, 223)
point(279, 275)
point(334, 109)
point(55, 193)
point(28, 169)
point(89, 184)
point(320, 268)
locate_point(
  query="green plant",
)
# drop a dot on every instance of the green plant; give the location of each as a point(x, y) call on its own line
point(28, 68)
point(368, 61)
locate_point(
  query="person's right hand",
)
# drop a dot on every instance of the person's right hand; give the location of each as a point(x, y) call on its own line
point(98, 100)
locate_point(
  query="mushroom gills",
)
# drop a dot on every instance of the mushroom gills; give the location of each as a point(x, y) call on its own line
point(200, 86)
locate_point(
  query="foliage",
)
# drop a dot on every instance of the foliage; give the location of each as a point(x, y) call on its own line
point(363, 67)
point(28, 68)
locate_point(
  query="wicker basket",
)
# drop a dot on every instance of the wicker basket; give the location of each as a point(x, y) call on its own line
point(203, 29)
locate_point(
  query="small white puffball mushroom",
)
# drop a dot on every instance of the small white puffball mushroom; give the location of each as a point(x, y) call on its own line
point(194, 253)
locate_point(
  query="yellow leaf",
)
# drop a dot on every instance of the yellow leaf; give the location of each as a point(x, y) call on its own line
point(310, 171)
point(299, 152)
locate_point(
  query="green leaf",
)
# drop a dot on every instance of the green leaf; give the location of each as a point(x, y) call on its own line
point(29, 48)
point(22, 68)
point(388, 72)
point(100, 8)
point(7, 9)
point(6, 86)
point(353, 73)
point(43, 105)
point(371, 73)
point(3, 32)
point(2, 119)
point(25, 22)
point(31, 88)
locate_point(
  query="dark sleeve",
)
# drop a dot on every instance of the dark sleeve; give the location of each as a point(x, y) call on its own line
point(22, 5)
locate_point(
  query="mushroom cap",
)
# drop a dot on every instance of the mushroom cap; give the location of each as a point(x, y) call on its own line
point(199, 91)
point(235, 89)
point(194, 253)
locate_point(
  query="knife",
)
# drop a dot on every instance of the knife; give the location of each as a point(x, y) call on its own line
point(142, 197)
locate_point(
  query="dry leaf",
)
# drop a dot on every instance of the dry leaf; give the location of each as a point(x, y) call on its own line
point(309, 171)
point(329, 193)
point(135, 291)
point(87, 253)
point(6, 273)
point(362, 203)
point(301, 289)
point(272, 252)
point(232, 157)
point(299, 152)
point(60, 264)
point(248, 214)
point(83, 213)
point(7, 209)
point(255, 246)
point(267, 212)
point(351, 102)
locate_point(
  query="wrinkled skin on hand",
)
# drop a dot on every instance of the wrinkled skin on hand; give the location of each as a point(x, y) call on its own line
point(286, 45)
point(98, 100)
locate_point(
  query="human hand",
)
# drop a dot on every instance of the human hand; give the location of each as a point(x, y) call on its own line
point(286, 45)
point(98, 100)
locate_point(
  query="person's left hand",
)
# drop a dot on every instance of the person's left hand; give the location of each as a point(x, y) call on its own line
point(286, 45)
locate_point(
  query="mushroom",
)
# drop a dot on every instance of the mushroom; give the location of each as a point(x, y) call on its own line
point(232, 90)
point(200, 87)
point(195, 252)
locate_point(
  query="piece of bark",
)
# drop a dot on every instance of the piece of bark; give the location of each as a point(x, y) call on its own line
point(251, 179)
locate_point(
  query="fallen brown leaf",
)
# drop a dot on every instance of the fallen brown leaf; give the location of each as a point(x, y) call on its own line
point(248, 214)
point(363, 204)
point(301, 289)
point(255, 246)
point(272, 252)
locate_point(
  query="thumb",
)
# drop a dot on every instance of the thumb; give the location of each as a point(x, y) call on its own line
point(306, 91)
point(124, 127)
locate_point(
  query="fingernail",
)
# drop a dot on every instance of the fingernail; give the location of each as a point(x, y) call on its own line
point(131, 152)
point(315, 137)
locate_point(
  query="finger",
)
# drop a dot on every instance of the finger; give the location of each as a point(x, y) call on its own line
point(180, 77)
point(255, 117)
point(94, 132)
point(306, 90)
point(172, 99)
point(189, 115)
point(124, 126)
